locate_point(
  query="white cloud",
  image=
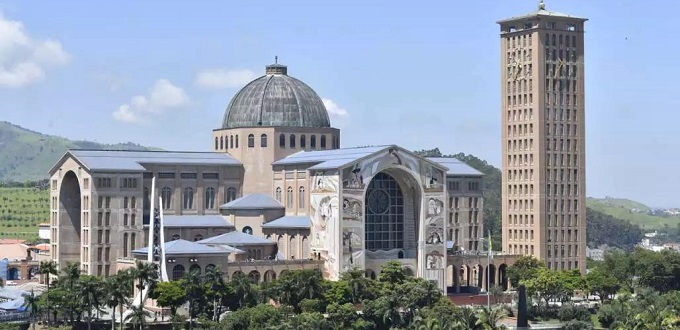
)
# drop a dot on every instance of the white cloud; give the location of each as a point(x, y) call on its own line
point(218, 78)
point(334, 109)
point(162, 96)
point(24, 60)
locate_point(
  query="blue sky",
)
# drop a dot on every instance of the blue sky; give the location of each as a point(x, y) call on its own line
point(417, 74)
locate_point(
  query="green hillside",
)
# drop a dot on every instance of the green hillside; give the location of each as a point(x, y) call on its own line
point(26, 155)
point(633, 212)
point(622, 203)
point(21, 210)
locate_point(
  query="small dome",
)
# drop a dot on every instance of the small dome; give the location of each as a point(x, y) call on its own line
point(276, 99)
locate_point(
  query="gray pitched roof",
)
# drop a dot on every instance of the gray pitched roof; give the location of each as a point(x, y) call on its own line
point(456, 167)
point(194, 221)
point(235, 238)
point(292, 222)
point(329, 158)
point(133, 161)
point(254, 201)
point(180, 246)
point(541, 12)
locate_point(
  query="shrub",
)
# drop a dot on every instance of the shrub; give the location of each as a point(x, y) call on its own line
point(570, 312)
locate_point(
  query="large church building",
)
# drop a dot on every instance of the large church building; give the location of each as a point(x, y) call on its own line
point(276, 193)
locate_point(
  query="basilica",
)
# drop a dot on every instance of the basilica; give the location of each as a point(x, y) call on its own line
point(276, 193)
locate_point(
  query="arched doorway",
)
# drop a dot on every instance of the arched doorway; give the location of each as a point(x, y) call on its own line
point(269, 276)
point(503, 277)
point(13, 274)
point(255, 276)
point(491, 273)
point(369, 273)
point(70, 219)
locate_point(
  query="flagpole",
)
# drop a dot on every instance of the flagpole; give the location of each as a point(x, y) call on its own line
point(488, 274)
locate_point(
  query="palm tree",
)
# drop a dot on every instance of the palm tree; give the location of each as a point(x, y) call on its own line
point(70, 276)
point(469, 319)
point(47, 269)
point(192, 287)
point(491, 317)
point(31, 302)
point(214, 279)
point(357, 282)
point(243, 288)
point(137, 316)
point(145, 274)
point(118, 290)
point(91, 295)
point(310, 283)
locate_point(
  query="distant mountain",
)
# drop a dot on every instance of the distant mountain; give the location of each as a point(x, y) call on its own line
point(26, 155)
point(634, 212)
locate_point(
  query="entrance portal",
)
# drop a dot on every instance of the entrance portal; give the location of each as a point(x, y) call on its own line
point(69, 219)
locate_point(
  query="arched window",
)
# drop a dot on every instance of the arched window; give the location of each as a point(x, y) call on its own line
point(289, 198)
point(323, 142)
point(282, 141)
point(263, 140)
point(133, 219)
point(384, 214)
point(293, 247)
point(195, 269)
point(236, 144)
point(305, 248)
point(125, 245)
point(177, 272)
point(278, 194)
point(125, 202)
point(303, 141)
point(198, 237)
point(210, 198)
point(312, 141)
point(147, 199)
point(188, 198)
point(301, 198)
point(133, 239)
point(292, 141)
point(209, 268)
point(217, 143)
point(231, 194)
point(176, 237)
point(125, 219)
point(251, 141)
point(108, 202)
point(133, 202)
point(166, 195)
point(231, 141)
point(247, 230)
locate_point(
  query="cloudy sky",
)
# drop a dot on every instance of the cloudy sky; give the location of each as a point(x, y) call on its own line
point(417, 74)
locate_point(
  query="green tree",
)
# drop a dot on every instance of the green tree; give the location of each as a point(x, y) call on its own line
point(193, 287)
point(91, 295)
point(547, 285)
point(358, 284)
point(69, 278)
point(48, 269)
point(118, 292)
point(137, 316)
point(491, 318)
point(32, 304)
point(170, 295)
point(243, 289)
point(145, 274)
point(602, 284)
point(216, 289)
point(525, 268)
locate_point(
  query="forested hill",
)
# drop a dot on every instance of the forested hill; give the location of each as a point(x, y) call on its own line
point(26, 155)
point(602, 229)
